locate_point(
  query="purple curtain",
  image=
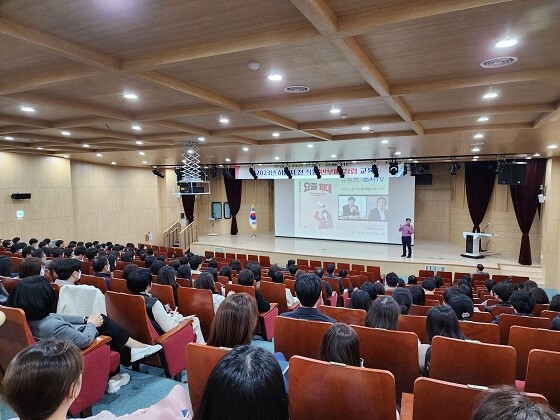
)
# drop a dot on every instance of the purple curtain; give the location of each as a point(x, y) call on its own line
point(188, 207)
point(525, 203)
point(479, 183)
point(233, 193)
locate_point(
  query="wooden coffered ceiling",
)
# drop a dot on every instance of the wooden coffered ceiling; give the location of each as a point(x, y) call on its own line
point(408, 70)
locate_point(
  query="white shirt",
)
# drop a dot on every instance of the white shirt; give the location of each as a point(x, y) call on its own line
point(381, 214)
point(217, 300)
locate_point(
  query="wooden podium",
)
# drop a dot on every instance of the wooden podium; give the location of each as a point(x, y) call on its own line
point(472, 246)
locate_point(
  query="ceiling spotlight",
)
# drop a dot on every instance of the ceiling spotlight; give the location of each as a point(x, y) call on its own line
point(27, 109)
point(475, 158)
point(99, 155)
point(490, 95)
point(276, 134)
point(156, 172)
point(275, 77)
point(130, 95)
point(202, 139)
point(384, 141)
point(309, 145)
point(478, 136)
point(136, 128)
point(253, 65)
point(505, 43)
point(397, 153)
point(287, 172)
point(253, 173)
point(528, 158)
point(552, 146)
point(536, 154)
point(65, 133)
point(85, 145)
point(333, 155)
point(340, 171)
point(475, 149)
point(335, 111)
point(317, 171)
point(393, 167)
point(366, 128)
point(39, 148)
point(8, 138)
point(144, 162)
point(228, 160)
point(483, 119)
point(190, 151)
point(224, 120)
point(65, 156)
point(276, 158)
point(114, 163)
point(139, 143)
point(141, 153)
point(455, 166)
point(375, 170)
point(245, 149)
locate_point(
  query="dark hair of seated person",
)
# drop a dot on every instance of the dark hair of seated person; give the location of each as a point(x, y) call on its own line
point(246, 384)
point(236, 265)
point(340, 344)
point(35, 296)
point(429, 284)
point(149, 260)
point(342, 273)
point(489, 284)
point(205, 280)
point(245, 277)
point(540, 295)
point(99, 264)
point(359, 299)
point(5, 266)
point(66, 267)
point(213, 271)
point(278, 277)
point(503, 290)
point(38, 253)
point(418, 295)
point(255, 267)
point(26, 251)
point(330, 268)
point(383, 313)
point(167, 276)
point(523, 302)
point(412, 279)
point(369, 288)
point(462, 305)
point(184, 272)
point(466, 289)
point(57, 363)
point(129, 268)
point(404, 298)
point(308, 289)
point(234, 322)
point(392, 279)
point(30, 266)
point(139, 280)
point(507, 403)
point(156, 266)
point(213, 263)
point(292, 269)
point(227, 271)
point(530, 284)
point(555, 303)
point(319, 272)
point(442, 320)
point(450, 292)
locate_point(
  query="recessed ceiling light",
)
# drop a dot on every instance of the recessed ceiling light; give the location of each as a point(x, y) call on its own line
point(130, 95)
point(276, 134)
point(245, 149)
point(384, 141)
point(202, 139)
point(275, 77)
point(475, 158)
point(141, 153)
point(536, 154)
point(144, 162)
point(475, 149)
point(505, 43)
point(65, 133)
point(483, 119)
point(414, 161)
point(478, 136)
point(85, 145)
point(65, 156)
point(490, 95)
point(136, 127)
point(113, 163)
point(224, 120)
point(398, 153)
point(276, 158)
point(552, 146)
point(8, 138)
point(27, 109)
point(309, 145)
point(98, 155)
point(528, 158)
point(190, 151)
point(365, 128)
point(333, 155)
point(139, 143)
point(335, 111)
point(228, 160)
point(39, 148)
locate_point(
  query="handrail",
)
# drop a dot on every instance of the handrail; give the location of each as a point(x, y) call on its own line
point(188, 235)
point(170, 235)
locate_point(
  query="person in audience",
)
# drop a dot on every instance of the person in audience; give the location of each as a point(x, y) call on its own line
point(101, 268)
point(401, 283)
point(299, 273)
point(404, 298)
point(67, 252)
point(129, 268)
point(480, 269)
point(383, 313)
point(462, 305)
point(196, 263)
point(6, 266)
point(340, 344)
point(6, 243)
point(507, 403)
point(149, 260)
point(227, 272)
point(523, 302)
point(156, 266)
point(290, 262)
point(391, 281)
point(373, 289)
point(236, 265)
point(31, 266)
point(213, 264)
point(91, 253)
point(205, 280)
point(308, 290)
point(57, 252)
point(530, 284)
point(489, 284)
point(360, 299)
point(52, 268)
point(139, 282)
point(418, 295)
point(26, 251)
point(246, 278)
point(68, 271)
point(555, 303)
point(292, 269)
point(502, 291)
point(234, 322)
point(278, 277)
point(438, 280)
point(17, 247)
point(450, 292)
point(212, 271)
point(255, 267)
point(465, 289)
point(412, 279)
point(342, 275)
point(540, 296)
point(247, 383)
point(40, 253)
point(36, 297)
point(168, 276)
point(328, 288)
point(34, 242)
point(441, 320)
point(184, 272)
point(80, 252)
point(330, 271)
point(429, 286)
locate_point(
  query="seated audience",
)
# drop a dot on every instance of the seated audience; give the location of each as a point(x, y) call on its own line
point(438, 280)
point(68, 271)
point(404, 298)
point(555, 303)
point(328, 289)
point(255, 267)
point(480, 269)
point(341, 344)
point(489, 284)
point(308, 290)
point(429, 286)
point(373, 289)
point(149, 260)
point(156, 266)
point(391, 281)
point(342, 275)
point(412, 279)
point(540, 296)
point(236, 265)
point(523, 302)
point(360, 299)
point(451, 292)
point(278, 277)
point(507, 403)
point(292, 269)
point(227, 272)
point(184, 272)
point(462, 305)
point(290, 262)
point(234, 322)
point(502, 291)
point(418, 295)
point(529, 284)
point(330, 271)
point(129, 268)
point(25, 252)
point(6, 267)
point(101, 268)
point(36, 297)
point(383, 313)
point(246, 278)
point(205, 280)
point(466, 289)
point(31, 266)
point(168, 276)
point(247, 383)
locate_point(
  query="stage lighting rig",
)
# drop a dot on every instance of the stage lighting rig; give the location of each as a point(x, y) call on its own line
point(317, 171)
point(287, 172)
point(455, 166)
point(393, 167)
point(340, 171)
point(157, 172)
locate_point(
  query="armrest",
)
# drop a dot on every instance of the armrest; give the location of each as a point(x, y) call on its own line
point(169, 334)
point(272, 307)
point(98, 342)
point(407, 403)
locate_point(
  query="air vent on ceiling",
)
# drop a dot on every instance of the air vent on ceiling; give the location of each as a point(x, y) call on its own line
point(296, 89)
point(494, 63)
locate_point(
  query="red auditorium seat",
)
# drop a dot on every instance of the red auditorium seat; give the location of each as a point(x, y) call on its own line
point(299, 337)
point(415, 324)
point(164, 292)
point(507, 321)
point(543, 371)
point(524, 339)
point(98, 282)
point(276, 292)
point(346, 315)
point(485, 332)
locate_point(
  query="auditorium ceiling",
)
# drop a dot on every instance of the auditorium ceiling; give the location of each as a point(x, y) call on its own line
point(131, 81)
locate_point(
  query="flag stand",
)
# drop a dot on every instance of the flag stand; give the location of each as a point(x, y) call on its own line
point(253, 214)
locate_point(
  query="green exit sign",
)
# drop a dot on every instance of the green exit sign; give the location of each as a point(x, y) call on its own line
point(20, 214)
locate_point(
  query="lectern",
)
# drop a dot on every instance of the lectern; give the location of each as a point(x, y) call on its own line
point(473, 244)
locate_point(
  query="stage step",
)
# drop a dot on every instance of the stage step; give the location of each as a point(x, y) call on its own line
point(535, 273)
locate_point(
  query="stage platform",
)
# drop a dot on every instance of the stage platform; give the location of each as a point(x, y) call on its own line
point(388, 257)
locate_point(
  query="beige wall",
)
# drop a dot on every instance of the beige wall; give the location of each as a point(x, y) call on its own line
point(551, 225)
point(84, 201)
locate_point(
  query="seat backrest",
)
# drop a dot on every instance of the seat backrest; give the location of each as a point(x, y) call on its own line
point(9, 283)
point(482, 317)
point(458, 275)
point(498, 310)
point(201, 360)
point(344, 391)
point(275, 292)
point(415, 324)
point(120, 265)
point(297, 336)
point(419, 310)
point(550, 314)
point(507, 321)
point(264, 261)
point(478, 362)
point(425, 273)
point(15, 335)
point(129, 312)
point(118, 285)
point(480, 276)
point(290, 284)
point(499, 277)
point(237, 288)
point(344, 266)
point(94, 281)
point(378, 351)
point(197, 302)
point(164, 292)
point(117, 274)
point(315, 264)
point(253, 257)
point(358, 267)
point(333, 281)
point(445, 274)
point(524, 339)
point(346, 315)
point(543, 371)
point(539, 307)
point(485, 332)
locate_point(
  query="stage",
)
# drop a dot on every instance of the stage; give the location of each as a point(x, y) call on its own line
point(388, 257)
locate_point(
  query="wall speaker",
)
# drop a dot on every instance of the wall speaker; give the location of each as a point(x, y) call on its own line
point(21, 196)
